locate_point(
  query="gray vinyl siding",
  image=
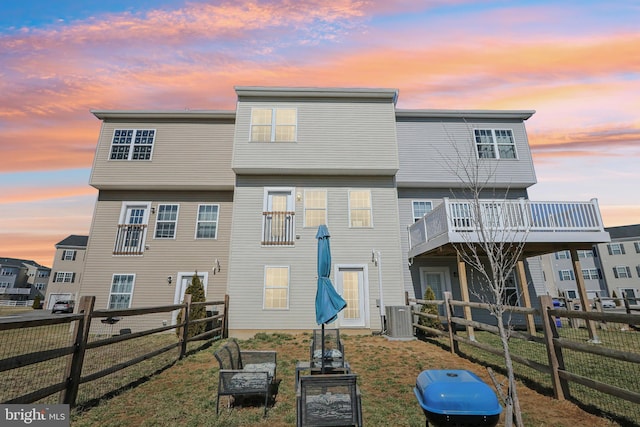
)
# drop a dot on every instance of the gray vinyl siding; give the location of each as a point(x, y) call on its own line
point(73, 266)
point(162, 257)
point(186, 155)
point(437, 151)
point(332, 138)
point(348, 246)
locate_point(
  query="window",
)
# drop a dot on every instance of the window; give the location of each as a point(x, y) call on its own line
point(616, 249)
point(6, 272)
point(571, 294)
point(590, 273)
point(276, 287)
point(420, 208)
point(64, 277)
point(585, 254)
point(166, 222)
point(566, 275)
point(39, 286)
point(511, 296)
point(563, 255)
point(140, 139)
point(622, 272)
point(495, 144)
point(4, 285)
point(360, 208)
point(121, 291)
point(43, 274)
point(68, 255)
point(273, 124)
point(207, 226)
point(637, 246)
point(315, 208)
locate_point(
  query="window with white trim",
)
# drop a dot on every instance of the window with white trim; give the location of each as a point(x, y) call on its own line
point(590, 273)
point(166, 222)
point(315, 208)
point(4, 285)
point(421, 208)
point(563, 255)
point(121, 291)
point(566, 275)
point(511, 295)
point(207, 223)
point(622, 272)
point(273, 124)
point(7, 272)
point(495, 143)
point(571, 294)
point(43, 274)
point(585, 254)
point(68, 255)
point(39, 286)
point(276, 287)
point(616, 249)
point(64, 277)
point(132, 144)
point(360, 209)
point(637, 246)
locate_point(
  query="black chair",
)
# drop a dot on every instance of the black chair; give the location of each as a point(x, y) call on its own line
point(333, 350)
point(328, 400)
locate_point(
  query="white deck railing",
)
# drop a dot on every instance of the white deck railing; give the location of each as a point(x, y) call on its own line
point(514, 215)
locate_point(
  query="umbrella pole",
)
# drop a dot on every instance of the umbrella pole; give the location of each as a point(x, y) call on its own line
point(322, 354)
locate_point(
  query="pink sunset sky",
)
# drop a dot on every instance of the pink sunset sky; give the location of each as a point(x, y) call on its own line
point(576, 63)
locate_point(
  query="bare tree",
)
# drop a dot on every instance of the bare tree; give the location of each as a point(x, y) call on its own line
point(494, 230)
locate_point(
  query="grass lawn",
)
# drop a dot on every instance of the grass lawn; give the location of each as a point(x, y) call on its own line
point(9, 311)
point(185, 393)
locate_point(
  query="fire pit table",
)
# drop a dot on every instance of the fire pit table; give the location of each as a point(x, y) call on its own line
point(456, 398)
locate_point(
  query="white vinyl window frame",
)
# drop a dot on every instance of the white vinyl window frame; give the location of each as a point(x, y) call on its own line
point(616, 249)
point(563, 255)
point(68, 255)
point(121, 293)
point(495, 144)
point(588, 253)
point(132, 144)
point(205, 223)
point(315, 207)
point(64, 277)
point(622, 272)
point(590, 273)
point(166, 221)
point(420, 207)
point(271, 124)
point(360, 209)
point(566, 275)
point(277, 282)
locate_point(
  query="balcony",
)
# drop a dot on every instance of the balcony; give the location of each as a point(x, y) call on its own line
point(278, 228)
point(130, 239)
point(541, 225)
point(15, 291)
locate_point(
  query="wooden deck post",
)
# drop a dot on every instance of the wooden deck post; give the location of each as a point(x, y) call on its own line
point(73, 371)
point(526, 299)
point(464, 292)
point(584, 299)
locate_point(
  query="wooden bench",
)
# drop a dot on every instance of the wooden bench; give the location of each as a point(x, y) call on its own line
point(245, 373)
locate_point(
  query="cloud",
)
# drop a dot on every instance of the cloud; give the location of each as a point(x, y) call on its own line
point(26, 194)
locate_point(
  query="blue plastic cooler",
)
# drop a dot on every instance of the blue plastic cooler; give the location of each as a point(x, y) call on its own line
point(456, 398)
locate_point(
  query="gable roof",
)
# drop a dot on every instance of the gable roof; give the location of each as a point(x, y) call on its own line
point(74, 240)
point(624, 232)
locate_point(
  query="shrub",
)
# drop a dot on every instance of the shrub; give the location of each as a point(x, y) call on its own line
point(196, 290)
point(430, 309)
point(36, 303)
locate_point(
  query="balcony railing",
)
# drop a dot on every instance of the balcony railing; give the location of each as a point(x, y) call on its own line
point(506, 215)
point(15, 291)
point(278, 228)
point(130, 239)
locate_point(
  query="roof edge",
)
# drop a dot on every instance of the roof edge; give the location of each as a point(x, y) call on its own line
point(157, 114)
point(318, 92)
point(467, 114)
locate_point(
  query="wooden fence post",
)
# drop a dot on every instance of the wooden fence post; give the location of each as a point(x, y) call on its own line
point(184, 331)
point(554, 354)
point(453, 344)
point(225, 320)
point(73, 371)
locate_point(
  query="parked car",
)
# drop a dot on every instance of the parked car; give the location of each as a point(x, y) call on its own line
point(63, 306)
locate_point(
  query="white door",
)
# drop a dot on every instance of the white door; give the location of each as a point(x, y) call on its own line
point(351, 286)
point(279, 220)
point(436, 278)
point(136, 216)
point(183, 282)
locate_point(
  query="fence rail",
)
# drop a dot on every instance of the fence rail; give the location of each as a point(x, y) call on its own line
point(61, 352)
point(568, 362)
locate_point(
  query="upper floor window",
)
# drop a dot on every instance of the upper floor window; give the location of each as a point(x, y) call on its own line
point(566, 275)
point(421, 208)
point(68, 255)
point(315, 208)
point(132, 144)
point(590, 273)
point(7, 272)
point(166, 222)
point(495, 143)
point(39, 286)
point(616, 249)
point(276, 287)
point(637, 246)
point(121, 291)
point(64, 277)
point(563, 255)
point(273, 124)
point(585, 254)
point(622, 272)
point(4, 285)
point(43, 274)
point(360, 208)
point(207, 224)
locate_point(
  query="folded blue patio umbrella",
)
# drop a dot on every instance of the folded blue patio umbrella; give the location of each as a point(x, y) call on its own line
point(328, 302)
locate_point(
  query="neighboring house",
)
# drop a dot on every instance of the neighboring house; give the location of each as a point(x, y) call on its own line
point(620, 262)
point(22, 280)
point(560, 277)
point(66, 275)
point(237, 196)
